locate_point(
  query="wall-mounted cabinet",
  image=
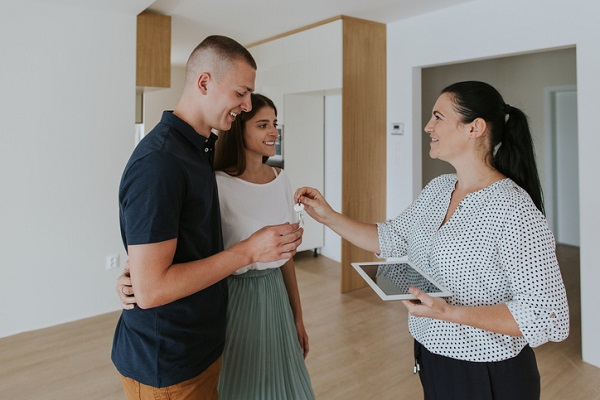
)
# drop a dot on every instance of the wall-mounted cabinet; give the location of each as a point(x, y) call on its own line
point(346, 54)
point(153, 61)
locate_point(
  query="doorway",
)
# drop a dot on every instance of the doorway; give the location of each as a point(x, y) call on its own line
point(562, 181)
point(534, 83)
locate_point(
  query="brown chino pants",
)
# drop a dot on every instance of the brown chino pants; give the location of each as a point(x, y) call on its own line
point(204, 387)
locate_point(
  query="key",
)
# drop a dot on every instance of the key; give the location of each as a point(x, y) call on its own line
point(299, 207)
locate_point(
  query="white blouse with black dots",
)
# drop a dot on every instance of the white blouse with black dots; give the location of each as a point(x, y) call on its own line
point(496, 248)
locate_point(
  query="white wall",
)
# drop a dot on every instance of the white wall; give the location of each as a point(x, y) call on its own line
point(485, 29)
point(332, 243)
point(307, 61)
point(158, 100)
point(67, 104)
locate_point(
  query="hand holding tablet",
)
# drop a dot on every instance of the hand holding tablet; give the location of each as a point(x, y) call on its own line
point(392, 279)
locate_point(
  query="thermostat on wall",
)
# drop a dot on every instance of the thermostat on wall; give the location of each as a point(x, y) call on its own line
point(397, 128)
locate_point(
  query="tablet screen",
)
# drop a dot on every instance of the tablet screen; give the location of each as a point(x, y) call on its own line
point(391, 280)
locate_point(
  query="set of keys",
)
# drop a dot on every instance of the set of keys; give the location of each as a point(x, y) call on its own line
point(299, 208)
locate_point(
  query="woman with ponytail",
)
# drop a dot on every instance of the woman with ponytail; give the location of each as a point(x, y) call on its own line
point(481, 232)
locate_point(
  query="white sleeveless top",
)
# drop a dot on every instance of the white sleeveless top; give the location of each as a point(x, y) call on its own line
point(246, 207)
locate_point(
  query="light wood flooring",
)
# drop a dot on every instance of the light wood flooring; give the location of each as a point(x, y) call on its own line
point(360, 348)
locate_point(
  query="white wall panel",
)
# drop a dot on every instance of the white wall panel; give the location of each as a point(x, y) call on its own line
point(68, 114)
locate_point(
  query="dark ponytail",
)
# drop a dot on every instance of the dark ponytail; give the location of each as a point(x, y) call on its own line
point(511, 146)
point(515, 157)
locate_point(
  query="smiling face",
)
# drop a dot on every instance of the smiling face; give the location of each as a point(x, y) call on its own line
point(449, 136)
point(260, 133)
point(229, 94)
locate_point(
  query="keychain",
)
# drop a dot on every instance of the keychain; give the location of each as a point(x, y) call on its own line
point(299, 207)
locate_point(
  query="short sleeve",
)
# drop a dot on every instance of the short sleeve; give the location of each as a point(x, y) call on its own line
point(151, 197)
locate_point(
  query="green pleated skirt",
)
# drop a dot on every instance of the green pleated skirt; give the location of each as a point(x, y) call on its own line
point(262, 359)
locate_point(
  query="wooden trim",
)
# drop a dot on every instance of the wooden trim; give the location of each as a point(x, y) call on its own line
point(307, 27)
point(153, 53)
point(362, 21)
point(288, 33)
point(363, 134)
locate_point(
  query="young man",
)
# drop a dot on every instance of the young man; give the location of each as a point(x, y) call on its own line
point(170, 223)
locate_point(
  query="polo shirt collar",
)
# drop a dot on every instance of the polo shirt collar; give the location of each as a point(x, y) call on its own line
point(186, 130)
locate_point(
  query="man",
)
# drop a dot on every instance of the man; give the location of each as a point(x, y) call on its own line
point(170, 223)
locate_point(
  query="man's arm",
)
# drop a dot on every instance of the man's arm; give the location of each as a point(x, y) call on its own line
point(157, 282)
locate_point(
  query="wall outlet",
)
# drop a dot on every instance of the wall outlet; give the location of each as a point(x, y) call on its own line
point(112, 262)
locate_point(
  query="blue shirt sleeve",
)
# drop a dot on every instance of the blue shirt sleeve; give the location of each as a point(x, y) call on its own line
point(151, 196)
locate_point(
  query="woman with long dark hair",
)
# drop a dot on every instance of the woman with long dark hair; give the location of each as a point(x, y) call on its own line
point(266, 341)
point(481, 232)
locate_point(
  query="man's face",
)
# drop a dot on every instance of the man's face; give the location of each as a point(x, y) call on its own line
point(229, 95)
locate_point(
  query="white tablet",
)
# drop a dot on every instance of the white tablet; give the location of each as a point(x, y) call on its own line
point(391, 279)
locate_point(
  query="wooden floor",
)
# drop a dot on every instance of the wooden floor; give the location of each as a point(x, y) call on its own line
point(360, 348)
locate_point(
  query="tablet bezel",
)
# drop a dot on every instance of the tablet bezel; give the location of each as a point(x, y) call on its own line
point(358, 267)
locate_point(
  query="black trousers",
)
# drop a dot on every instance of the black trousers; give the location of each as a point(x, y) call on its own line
point(445, 378)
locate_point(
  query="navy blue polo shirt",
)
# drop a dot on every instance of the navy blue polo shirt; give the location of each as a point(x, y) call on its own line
point(168, 190)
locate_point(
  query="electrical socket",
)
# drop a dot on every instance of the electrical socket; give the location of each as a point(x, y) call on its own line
point(112, 262)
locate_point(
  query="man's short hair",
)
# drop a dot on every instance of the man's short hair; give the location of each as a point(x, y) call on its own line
point(216, 54)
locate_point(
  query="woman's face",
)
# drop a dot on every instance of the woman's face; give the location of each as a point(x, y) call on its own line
point(449, 136)
point(260, 132)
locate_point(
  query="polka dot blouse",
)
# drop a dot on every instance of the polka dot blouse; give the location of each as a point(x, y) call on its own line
point(496, 248)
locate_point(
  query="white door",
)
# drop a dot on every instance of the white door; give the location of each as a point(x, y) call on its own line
point(303, 153)
point(565, 170)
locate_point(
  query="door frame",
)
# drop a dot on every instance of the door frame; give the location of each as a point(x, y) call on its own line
point(550, 194)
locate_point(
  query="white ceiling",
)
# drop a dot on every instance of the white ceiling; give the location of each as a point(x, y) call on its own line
point(249, 21)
